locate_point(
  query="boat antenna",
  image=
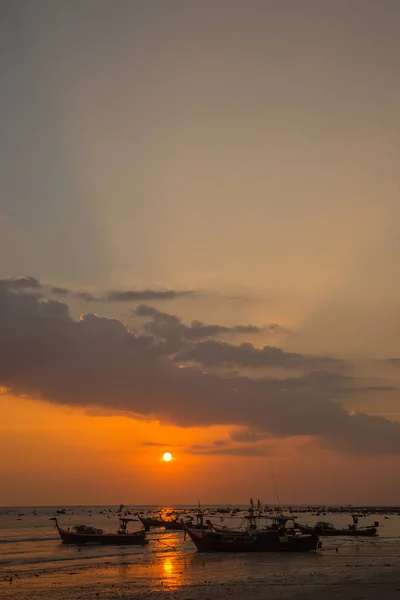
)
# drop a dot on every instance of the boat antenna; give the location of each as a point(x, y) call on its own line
point(276, 492)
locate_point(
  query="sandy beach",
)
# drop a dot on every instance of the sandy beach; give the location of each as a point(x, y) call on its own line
point(352, 582)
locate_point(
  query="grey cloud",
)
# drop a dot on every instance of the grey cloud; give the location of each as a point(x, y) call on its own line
point(95, 361)
point(249, 451)
point(177, 336)
point(86, 296)
point(247, 435)
point(161, 445)
point(59, 291)
point(364, 435)
point(140, 295)
point(20, 283)
point(127, 296)
point(213, 353)
point(394, 362)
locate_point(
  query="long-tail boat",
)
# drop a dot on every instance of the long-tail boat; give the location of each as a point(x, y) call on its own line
point(144, 522)
point(173, 525)
point(269, 540)
point(254, 518)
point(151, 522)
point(82, 534)
point(226, 530)
point(323, 528)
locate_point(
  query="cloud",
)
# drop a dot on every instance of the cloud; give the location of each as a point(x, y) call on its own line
point(249, 451)
point(23, 283)
point(247, 435)
point(140, 295)
point(20, 283)
point(59, 291)
point(178, 337)
point(214, 353)
point(125, 295)
point(394, 362)
point(364, 435)
point(98, 362)
point(161, 445)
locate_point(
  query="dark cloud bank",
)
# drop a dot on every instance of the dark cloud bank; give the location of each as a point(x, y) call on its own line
point(96, 361)
point(26, 283)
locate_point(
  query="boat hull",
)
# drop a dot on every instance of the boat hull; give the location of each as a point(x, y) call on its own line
point(340, 532)
point(262, 542)
point(150, 522)
point(112, 539)
point(173, 525)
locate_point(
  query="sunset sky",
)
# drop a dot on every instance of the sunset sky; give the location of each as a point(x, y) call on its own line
point(199, 251)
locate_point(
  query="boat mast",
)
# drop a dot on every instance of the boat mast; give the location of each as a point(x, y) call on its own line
point(277, 493)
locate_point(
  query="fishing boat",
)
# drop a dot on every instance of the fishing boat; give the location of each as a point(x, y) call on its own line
point(144, 522)
point(81, 534)
point(151, 522)
point(254, 519)
point(323, 528)
point(226, 530)
point(269, 540)
point(173, 525)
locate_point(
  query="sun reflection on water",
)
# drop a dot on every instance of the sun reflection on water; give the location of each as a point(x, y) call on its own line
point(168, 566)
point(173, 572)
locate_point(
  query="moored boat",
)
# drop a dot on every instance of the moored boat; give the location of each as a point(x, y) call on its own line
point(327, 529)
point(271, 540)
point(151, 522)
point(90, 535)
point(144, 522)
point(173, 525)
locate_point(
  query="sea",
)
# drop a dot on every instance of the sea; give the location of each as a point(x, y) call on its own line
point(29, 543)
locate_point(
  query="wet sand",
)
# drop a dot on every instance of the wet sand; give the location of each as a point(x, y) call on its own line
point(200, 578)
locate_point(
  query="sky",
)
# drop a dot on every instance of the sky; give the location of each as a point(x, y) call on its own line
point(199, 207)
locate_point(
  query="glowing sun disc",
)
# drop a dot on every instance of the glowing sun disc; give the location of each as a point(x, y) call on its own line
point(167, 456)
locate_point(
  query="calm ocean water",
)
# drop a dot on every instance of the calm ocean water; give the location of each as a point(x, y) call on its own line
point(30, 543)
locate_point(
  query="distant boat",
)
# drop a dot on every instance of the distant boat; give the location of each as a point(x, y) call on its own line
point(90, 535)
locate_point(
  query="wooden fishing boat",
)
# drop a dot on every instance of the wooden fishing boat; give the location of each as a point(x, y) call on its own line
point(254, 524)
point(173, 525)
point(151, 522)
point(226, 530)
point(327, 529)
point(273, 540)
point(90, 535)
point(144, 522)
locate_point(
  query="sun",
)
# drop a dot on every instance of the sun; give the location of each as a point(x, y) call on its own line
point(167, 456)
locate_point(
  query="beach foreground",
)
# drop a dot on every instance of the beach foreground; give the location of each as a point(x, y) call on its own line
point(34, 564)
point(330, 577)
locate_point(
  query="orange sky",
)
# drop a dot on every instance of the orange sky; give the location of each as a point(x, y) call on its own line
point(211, 186)
point(54, 455)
